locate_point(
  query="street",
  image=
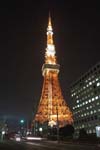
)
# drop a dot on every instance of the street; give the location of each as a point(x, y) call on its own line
point(44, 145)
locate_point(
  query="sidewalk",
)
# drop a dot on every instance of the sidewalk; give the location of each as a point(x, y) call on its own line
point(74, 143)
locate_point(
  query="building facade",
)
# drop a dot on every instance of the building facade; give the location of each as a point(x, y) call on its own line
point(85, 95)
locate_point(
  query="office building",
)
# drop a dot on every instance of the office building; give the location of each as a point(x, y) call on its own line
point(85, 96)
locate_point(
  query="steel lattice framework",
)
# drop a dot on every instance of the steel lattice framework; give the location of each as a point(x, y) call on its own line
point(52, 106)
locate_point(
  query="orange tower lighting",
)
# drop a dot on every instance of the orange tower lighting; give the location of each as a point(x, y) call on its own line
point(52, 107)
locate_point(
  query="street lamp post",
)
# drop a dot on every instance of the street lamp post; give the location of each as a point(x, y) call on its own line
point(2, 136)
point(22, 126)
point(57, 125)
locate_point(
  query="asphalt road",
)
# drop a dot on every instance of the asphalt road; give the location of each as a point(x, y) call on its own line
point(12, 145)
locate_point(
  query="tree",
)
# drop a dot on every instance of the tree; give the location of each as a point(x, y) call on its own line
point(67, 130)
point(82, 133)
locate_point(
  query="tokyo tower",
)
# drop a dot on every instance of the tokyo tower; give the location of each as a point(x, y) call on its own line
point(52, 106)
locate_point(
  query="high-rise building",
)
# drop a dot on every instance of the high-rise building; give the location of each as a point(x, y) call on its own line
point(85, 96)
point(52, 107)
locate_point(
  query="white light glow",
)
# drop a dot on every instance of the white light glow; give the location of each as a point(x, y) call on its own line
point(98, 84)
point(52, 123)
point(3, 132)
point(33, 138)
point(97, 79)
point(49, 28)
point(96, 97)
point(40, 129)
point(89, 100)
point(50, 50)
point(77, 101)
point(50, 32)
point(98, 131)
point(90, 83)
point(18, 139)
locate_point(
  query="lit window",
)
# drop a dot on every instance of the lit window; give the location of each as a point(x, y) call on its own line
point(96, 97)
point(89, 78)
point(91, 112)
point(77, 101)
point(93, 81)
point(74, 94)
point(96, 79)
point(92, 99)
point(94, 131)
point(87, 113)
point(86, 81)
point(86, 102)
point(98, 84)
point(82, 125)
point(87, 107)
point(89, 101)
point(90, 131)
point(90, 83)
point(94, 111)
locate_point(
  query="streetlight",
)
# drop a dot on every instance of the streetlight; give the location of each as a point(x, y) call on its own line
point(22, 121)
point(3, 133)
point(22, 127)
point(40, 130)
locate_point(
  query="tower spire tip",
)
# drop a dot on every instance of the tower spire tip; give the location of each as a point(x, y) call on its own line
point(49, 19)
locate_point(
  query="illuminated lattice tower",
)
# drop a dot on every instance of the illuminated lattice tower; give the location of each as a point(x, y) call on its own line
point(52, 107)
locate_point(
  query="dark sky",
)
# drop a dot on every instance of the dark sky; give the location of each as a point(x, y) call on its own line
point(23, 24)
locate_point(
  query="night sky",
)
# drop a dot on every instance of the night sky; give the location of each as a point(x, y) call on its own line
point(23, 25)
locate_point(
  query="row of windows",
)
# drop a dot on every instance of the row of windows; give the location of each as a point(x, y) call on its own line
point(91, 78)
point(85, 97)
point(77, 114)
point(85, 120)
point(91, 131)
point(86, 102)
point(91, 73)
point(84, 87)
